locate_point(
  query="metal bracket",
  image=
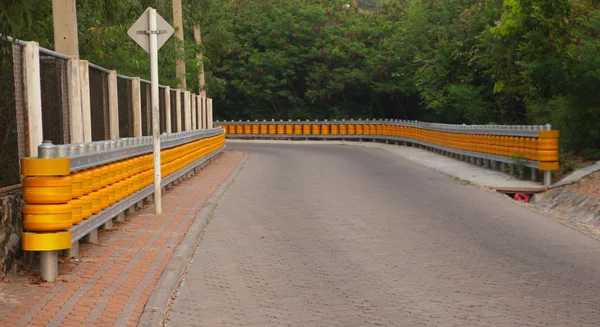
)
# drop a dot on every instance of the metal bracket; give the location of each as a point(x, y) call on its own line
point(148, 32)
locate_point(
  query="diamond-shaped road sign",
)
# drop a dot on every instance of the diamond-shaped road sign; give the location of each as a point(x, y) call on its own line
point(139, 31)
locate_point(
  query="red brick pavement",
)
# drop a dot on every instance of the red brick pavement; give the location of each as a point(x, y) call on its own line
point(111, 282)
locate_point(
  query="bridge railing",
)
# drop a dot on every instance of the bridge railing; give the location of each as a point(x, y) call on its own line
point(102, 166)
point(495, 146)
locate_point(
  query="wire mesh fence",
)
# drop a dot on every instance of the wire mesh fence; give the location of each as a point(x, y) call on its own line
point(11, 120)
point(162, 110)
point(125, 107)
point(173, 96)
point(99, 104)
point(55, 99)
point(54, 94)
point(146, 108)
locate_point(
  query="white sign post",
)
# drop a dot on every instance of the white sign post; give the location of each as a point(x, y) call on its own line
point(151, 31)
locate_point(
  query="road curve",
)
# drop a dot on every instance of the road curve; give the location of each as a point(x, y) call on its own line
point(321, 235)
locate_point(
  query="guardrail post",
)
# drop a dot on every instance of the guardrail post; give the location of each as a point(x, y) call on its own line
point(136, 104)
point(113, 105)
point(168, 109)
point(107, 225)
point(120, 218)
point(73, 252)
point(48, 259)
point(92, 237)
point(33, 95)
point(547, 177)
point(84, 85)
point(533, 174)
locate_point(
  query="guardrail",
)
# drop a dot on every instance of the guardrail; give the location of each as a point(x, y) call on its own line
point(72, 190)
point(493, 146)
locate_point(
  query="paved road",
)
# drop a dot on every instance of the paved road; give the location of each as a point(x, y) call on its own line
point(313, 235)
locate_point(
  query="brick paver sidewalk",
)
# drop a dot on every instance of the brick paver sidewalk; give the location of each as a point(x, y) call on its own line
point(111, 282)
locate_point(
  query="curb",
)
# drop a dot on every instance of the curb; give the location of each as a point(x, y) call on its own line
point(156, 307)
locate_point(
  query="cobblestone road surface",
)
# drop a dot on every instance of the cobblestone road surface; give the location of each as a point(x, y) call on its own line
point(314, 235)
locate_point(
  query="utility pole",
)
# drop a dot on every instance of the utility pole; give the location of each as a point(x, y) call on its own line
point(64, 16)
point(202, 86)
point(178, 22)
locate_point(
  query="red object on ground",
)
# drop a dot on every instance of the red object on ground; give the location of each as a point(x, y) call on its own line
point(522, 197)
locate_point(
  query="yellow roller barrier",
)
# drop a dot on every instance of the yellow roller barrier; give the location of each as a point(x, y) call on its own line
point(47, 189)
point(45, 167)
point(335, 129)
point(281, 129)
point(289, 129)
point(264, 129)
point(352, 129)
point(47, 217)
point(297, 129)
point(359, 129)
point(366, 129)
point(76, 185)
point(325, 129)
point(247, 129)
point(86, 206)
point(255, 129)
point(46, 241)
point(87, 181)
point(343, 129)
point(316, 129)
point(76, 211)
point(306, 129)
point(96, 201)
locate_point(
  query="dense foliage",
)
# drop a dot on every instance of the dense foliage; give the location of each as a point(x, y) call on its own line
point(454, 61)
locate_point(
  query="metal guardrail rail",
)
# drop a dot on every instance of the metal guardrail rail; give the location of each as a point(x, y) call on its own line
point(494, 146)
point(508, 130)
point(71, 190)
point(86, 155)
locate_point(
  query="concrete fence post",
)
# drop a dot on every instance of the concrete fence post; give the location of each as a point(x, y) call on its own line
point(136, 104)
point(33, 96)
point(84, 85)
point(188, 111)
point(194, 104)
point(75, 113)
point(168, 109)
point(210, 113)
point(198, 112)
point(113, 105)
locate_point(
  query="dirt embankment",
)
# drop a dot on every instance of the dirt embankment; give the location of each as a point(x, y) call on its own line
point(579, 201)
